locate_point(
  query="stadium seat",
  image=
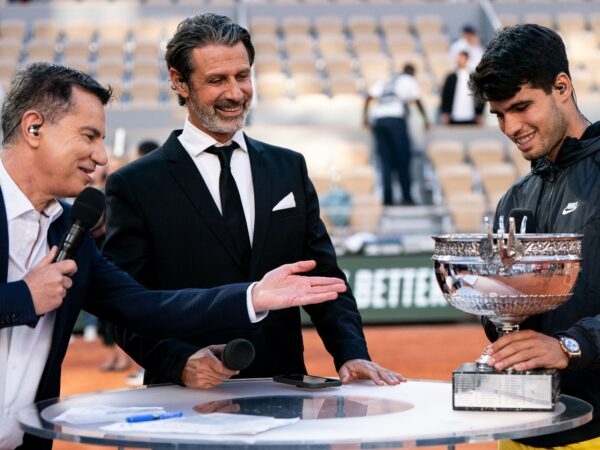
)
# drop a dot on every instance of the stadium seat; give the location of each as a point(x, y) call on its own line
point(338, 65)
point(329, 25)
point(13, 29)
point(10, 50)
point(332, 45)
point(428, 23)
point(263, 26)
point(496, 179)
point(302, 65)
point(343, 84)
point(569, 22)
point(467, 211)
point(541, 18)
point(394, 24)
point(40, 50)
point(443, 152)
point(295, 45)
point(46, 30)
point(361, 25)
point(455, 178)
point(484, 152)
point(295, 25)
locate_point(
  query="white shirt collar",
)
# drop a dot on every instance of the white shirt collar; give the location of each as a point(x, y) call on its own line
point(195, 141)
point(16, 202)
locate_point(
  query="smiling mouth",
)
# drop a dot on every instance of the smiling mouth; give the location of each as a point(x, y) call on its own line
point(524, 140)
point(231, 110)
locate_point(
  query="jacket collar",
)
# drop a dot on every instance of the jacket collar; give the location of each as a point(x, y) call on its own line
point(572, 151)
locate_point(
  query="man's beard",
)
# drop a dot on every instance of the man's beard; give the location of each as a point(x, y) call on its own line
point(210, 120)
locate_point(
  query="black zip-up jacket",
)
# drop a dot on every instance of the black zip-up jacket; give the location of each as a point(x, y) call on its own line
point(565, 198)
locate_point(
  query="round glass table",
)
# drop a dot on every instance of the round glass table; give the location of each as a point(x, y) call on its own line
point(359, 415)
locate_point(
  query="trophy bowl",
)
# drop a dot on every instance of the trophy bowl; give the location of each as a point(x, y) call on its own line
point(506, 278)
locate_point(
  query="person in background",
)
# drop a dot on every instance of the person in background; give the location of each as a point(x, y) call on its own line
point(386, 109)
point(458, 106)
point(468, 42)
point(524, 75)
point(169, 220)
point(53, 123)
point(146, 146)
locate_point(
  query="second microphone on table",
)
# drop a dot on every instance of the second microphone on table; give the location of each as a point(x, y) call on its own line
point(238, 354)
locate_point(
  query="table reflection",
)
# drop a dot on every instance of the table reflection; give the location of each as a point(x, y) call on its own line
point(306, 407)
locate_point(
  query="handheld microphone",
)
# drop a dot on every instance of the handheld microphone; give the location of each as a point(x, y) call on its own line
point(524, 220)
point(86, 212)
point(238, 354)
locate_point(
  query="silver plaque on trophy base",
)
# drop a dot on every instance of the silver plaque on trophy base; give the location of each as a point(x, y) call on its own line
point(474, 389)
point(506, 277)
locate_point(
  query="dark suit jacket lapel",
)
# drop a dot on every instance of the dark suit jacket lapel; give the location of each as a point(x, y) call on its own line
point(3, 241)
point(186, 174)
point(262, 198)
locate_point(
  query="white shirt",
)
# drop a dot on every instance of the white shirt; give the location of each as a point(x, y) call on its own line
point(475, 53)
point(23, 350)
point(405, 89)
point(463, 105)
point(195, 142)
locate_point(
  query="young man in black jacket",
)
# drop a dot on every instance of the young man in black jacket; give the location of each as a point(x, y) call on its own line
point(524, 75)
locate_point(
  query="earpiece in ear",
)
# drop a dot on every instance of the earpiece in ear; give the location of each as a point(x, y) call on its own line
point(34, 129)
point(561, 88)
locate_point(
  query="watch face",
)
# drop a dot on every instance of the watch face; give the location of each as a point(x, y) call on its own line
point(570, 344)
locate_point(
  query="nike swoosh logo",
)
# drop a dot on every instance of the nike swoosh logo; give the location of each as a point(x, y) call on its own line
point(570, 208)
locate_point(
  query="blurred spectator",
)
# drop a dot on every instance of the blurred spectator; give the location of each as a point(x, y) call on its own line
point(458, 105)
point(146, 147)
point(387, 116)
point(468, 42)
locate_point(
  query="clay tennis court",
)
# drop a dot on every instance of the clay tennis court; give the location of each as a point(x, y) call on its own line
point(417, 351)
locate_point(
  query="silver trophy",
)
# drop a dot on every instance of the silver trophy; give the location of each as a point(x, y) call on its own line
point(506, 277)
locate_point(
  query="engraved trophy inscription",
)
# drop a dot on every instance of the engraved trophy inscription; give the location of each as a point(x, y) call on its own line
point(506, 277)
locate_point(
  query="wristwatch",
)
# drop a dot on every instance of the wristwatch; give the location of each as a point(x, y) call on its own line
point(570, 346)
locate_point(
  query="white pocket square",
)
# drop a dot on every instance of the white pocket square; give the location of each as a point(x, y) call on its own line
point(286, 202)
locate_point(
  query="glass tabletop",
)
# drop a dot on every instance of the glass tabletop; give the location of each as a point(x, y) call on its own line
point(413, 414)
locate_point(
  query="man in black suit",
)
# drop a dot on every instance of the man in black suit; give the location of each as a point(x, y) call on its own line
point(53, 123)
point(166, 228)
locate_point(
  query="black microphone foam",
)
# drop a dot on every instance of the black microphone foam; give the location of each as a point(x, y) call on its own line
point(519, 214)
point(88, 207)
point(238, 354)
point(86, 212)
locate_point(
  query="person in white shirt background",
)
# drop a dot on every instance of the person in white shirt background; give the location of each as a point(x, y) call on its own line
point(385, 110)
point(468, 42)
point(458, 106)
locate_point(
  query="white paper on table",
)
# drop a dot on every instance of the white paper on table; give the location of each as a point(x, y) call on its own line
point(214, 423)
point(100, 413)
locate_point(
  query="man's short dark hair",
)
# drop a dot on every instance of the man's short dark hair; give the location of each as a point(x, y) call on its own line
point(199, 31)
point(47, 88)
point(517, 55)
point(146, 147)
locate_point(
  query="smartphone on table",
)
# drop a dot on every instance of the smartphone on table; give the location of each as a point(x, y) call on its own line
point(307, 381)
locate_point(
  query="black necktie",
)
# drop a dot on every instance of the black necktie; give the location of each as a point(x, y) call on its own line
point(231, 203)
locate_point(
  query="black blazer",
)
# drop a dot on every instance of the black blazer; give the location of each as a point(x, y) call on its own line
point(109, 293)
point(164, 228)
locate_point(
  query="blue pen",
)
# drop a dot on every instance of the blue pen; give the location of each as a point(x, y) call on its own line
point(149, 417)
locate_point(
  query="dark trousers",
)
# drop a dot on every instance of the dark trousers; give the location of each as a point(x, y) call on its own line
point(393, 149)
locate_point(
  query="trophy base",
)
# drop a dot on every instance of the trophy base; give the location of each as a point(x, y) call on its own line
point(476, 389)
